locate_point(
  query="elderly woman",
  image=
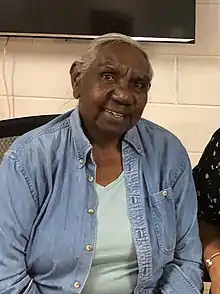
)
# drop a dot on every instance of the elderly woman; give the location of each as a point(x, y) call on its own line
point(100, 200)
point(207, 180)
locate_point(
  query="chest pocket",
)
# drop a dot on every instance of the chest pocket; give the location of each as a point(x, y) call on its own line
point(164, 219)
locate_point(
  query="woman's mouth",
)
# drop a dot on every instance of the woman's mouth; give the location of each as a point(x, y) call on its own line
point(115, 114)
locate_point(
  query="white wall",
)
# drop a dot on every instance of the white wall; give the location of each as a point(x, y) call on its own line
point(184, 96)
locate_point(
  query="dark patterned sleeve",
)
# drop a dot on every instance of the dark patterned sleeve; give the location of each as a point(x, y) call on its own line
point(207, 180)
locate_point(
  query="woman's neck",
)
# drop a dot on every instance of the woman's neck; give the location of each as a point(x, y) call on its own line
point(102, 140)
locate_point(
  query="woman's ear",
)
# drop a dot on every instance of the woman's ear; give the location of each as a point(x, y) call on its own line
point(76, 73)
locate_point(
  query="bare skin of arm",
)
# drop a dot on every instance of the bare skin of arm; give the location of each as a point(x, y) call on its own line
point(210, 237)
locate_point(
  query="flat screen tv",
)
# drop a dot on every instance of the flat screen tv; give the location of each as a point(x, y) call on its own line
point(145, 20)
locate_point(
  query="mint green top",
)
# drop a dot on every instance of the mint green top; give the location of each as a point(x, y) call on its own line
point(114, 268)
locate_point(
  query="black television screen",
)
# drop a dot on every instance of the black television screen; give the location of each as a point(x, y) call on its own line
point(150, 20)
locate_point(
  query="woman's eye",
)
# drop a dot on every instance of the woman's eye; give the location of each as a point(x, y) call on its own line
point(108, 77)
point(139, 85)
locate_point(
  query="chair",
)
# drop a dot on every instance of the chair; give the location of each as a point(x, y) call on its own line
point(11, 129)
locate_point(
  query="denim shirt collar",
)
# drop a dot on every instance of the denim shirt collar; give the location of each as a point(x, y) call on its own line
point(83, 146)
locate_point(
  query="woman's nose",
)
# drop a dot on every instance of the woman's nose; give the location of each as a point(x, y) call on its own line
point(122, 95)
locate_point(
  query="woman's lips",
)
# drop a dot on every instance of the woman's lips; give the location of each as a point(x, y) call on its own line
point(114, 113)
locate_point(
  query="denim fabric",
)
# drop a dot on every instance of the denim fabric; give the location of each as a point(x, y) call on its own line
point(48, 210)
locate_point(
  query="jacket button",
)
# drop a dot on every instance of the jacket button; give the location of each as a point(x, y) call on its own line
point(164, 193)
point(88, 247)
point(90, 178)
point(91, 211)
point(76, 285)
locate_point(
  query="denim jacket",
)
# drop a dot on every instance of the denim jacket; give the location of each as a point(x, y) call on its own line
point(48, 210)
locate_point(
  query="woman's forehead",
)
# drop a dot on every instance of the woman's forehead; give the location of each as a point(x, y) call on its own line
point(122, 54)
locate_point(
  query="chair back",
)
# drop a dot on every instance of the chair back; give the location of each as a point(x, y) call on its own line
point(11, 129)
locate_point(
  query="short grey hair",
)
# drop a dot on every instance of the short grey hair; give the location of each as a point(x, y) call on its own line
point(112, 38)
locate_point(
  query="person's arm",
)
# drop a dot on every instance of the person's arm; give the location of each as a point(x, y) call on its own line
point(18, 209)
point(185, 273)
point(210, 237)
point(207, 180)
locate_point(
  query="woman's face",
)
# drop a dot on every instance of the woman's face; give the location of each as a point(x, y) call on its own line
point(113, 92)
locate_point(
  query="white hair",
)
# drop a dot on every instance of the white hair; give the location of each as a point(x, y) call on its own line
point(112, 38)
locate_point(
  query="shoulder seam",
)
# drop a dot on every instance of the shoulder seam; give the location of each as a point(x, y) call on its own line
point(64, 124)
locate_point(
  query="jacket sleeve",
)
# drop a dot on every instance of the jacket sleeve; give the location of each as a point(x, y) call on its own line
point(18, 210)
point(185, 273)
